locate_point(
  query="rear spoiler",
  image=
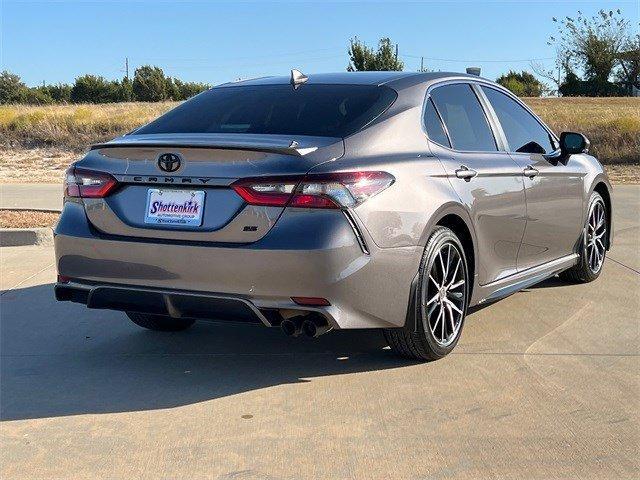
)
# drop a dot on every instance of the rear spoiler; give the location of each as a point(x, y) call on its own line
point(292, 149)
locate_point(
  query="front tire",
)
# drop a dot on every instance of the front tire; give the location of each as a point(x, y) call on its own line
point(160, 323)
point(593, 245)
point(443, 292)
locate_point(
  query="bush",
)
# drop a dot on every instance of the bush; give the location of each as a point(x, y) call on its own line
point(35, 96)
point(574, 87)
point(522, 84)
point(11, 87)
point(125, 90)
point(178, 90)
point(60, 93)
point(93, 89)
point(149, 84)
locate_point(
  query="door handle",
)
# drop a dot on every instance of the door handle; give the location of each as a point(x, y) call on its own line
point(530, 172)
point(465, 172)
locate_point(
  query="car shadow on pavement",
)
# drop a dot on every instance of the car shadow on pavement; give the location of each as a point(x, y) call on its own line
point(551, 282)
point(63, 359)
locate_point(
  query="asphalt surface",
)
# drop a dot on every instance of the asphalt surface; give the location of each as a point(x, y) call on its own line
point(544, 384)
point(39, 196)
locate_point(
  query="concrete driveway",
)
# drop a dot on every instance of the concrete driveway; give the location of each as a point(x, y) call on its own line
point(544, 384)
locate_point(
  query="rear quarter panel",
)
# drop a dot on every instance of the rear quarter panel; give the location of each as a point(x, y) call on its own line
point(401, 215)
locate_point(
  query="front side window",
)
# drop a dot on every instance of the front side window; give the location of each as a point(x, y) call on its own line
point(524, 133)
point(465, 120)
point(434, 127)
point(316, 110)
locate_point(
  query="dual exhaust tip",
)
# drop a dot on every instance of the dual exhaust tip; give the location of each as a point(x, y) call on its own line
point(309, 325)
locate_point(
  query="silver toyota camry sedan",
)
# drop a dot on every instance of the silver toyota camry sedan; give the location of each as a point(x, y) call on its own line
point(389, 200)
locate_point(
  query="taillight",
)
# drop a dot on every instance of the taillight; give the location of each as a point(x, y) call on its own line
point(84, 183)
point(334, 190)
point(269, 192)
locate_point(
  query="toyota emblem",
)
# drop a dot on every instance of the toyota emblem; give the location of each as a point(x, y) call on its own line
point(169, 162)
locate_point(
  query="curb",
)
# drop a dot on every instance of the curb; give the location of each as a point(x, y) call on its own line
point(19, 237)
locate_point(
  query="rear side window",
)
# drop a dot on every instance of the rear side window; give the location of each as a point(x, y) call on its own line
point(434, 127)
point(465, 120)
point(316, 110)
point(524, 133)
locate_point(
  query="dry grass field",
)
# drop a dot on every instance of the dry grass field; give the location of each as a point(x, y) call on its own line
point(37, 143)
point(611, 124)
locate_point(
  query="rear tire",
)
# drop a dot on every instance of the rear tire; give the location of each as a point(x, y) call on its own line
point(160, 323)
point(443, 292)
point(593, 244)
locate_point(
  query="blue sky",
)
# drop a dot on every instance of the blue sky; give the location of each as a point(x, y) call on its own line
point(214, 42)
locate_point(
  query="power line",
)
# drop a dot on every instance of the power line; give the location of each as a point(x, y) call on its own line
point(456, 60)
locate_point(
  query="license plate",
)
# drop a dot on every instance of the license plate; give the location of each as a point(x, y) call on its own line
point(174, 207)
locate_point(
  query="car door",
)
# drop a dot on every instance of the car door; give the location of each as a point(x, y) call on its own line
point(486, 179)
point(553, 188)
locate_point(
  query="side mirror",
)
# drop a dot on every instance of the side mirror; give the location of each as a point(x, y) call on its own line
point(571, 143)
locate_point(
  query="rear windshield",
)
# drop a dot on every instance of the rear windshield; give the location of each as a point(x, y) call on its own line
point(316, 110)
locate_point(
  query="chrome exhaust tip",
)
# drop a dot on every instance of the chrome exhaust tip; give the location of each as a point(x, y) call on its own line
point(313, 328)
point(292, 327)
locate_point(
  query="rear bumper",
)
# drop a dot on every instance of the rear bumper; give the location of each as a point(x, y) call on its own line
point(307, 254)
point(174, 303)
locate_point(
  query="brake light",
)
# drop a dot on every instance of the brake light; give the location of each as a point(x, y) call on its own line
point(84, 183)
point(268, 192)
point(334, 190)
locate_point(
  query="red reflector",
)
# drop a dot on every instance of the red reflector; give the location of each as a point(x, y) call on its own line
point(63, 279)
point(312, 201)
point(311, 301)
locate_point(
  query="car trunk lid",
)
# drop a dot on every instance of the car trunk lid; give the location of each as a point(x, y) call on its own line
point(208, 165)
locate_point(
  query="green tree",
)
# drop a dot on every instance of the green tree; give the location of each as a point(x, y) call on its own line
point(172, 89)
point(11, 87)
point(125, 90)
point(594, 44)
point(189, 89)
point(522, 84)
point(60, 93)
point(629, 60)
point(92, 89)
point(364, 58)
point(36, 96)
point(149, 84)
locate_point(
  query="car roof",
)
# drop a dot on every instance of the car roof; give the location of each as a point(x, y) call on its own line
point(356, 78)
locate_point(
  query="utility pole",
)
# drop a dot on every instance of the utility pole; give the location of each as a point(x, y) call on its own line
point(422, 64)
point(126, 67)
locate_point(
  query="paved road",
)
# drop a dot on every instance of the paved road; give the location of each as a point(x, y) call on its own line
point(544, 384)
point(47, 196)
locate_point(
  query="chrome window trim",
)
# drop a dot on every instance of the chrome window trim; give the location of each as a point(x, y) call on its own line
point(488, 110)
point(471, 83)
point(527, 109)
point(444, 126)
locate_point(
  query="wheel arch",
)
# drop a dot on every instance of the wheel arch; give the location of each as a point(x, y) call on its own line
point(456, 218)
point(602, 188)
point(458, 226)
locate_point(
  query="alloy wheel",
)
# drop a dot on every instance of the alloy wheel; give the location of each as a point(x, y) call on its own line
point(444, 298)
point(595, 238)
